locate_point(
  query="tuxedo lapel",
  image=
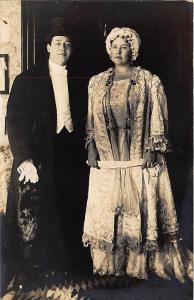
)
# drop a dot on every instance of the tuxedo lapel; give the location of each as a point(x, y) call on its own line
point(48, 88)
point(72, 92)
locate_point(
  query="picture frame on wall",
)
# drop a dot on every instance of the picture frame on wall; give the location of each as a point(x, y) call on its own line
point(4, 74)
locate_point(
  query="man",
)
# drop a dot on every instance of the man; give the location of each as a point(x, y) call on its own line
point(45, 129)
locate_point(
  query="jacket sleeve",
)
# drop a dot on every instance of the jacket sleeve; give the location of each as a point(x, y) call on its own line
point(90, 118)
point(158, 137)
point(20, 120)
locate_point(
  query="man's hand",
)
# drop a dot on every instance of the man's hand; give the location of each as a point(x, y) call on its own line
point(28, 172)
point(93, 155)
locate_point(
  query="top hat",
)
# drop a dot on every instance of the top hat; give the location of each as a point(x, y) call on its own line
point(60, 26)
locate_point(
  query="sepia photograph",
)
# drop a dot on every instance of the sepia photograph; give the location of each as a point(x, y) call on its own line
point(96, 150)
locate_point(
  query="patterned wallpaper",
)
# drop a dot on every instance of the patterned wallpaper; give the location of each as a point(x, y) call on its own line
point(10, 43)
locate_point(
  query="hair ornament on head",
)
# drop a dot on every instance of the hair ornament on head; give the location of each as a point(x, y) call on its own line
point(129, 35)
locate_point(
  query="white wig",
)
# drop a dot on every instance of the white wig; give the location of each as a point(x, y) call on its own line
point(129, 35)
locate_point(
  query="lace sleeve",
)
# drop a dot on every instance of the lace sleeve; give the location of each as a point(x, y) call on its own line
point(159, 143)
point(90, 121)
point(158, 139)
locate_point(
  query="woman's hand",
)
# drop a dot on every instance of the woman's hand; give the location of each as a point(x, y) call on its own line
point(93, 155)
point(149, 160)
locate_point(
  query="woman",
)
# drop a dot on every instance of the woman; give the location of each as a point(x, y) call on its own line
point(130, 221)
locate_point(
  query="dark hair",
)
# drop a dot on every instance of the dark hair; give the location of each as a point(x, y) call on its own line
point(50, 35)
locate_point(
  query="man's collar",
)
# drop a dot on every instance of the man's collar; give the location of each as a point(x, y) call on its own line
point(57, 69)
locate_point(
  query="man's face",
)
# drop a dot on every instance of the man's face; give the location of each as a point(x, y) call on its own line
point(60, 50)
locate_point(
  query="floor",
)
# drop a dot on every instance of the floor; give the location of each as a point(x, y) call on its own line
point(85, 287)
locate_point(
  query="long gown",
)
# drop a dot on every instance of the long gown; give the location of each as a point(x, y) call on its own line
point(130, 222)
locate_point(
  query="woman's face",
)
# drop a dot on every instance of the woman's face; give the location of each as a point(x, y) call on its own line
point(120, 52)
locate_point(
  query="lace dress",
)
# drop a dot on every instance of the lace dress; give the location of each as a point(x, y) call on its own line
point(130, 221)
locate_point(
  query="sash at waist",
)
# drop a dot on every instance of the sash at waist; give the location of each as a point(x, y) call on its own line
point(114, 164)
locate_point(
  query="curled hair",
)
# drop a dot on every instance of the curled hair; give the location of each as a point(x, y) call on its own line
point(129, 35)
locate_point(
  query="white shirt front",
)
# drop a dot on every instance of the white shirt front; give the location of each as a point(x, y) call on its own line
point(60, 86)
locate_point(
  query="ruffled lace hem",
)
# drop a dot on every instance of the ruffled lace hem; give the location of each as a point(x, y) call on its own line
point(97, 243)
point(130, 243)
point(159, 143)
point(169, 261)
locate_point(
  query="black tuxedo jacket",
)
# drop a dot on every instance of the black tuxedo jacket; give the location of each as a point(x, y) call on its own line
point(31, 113)
point(31, 124)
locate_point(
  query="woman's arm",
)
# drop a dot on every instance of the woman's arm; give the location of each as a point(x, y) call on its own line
point(92, 155)
point(90, 138)
point(158, 143)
